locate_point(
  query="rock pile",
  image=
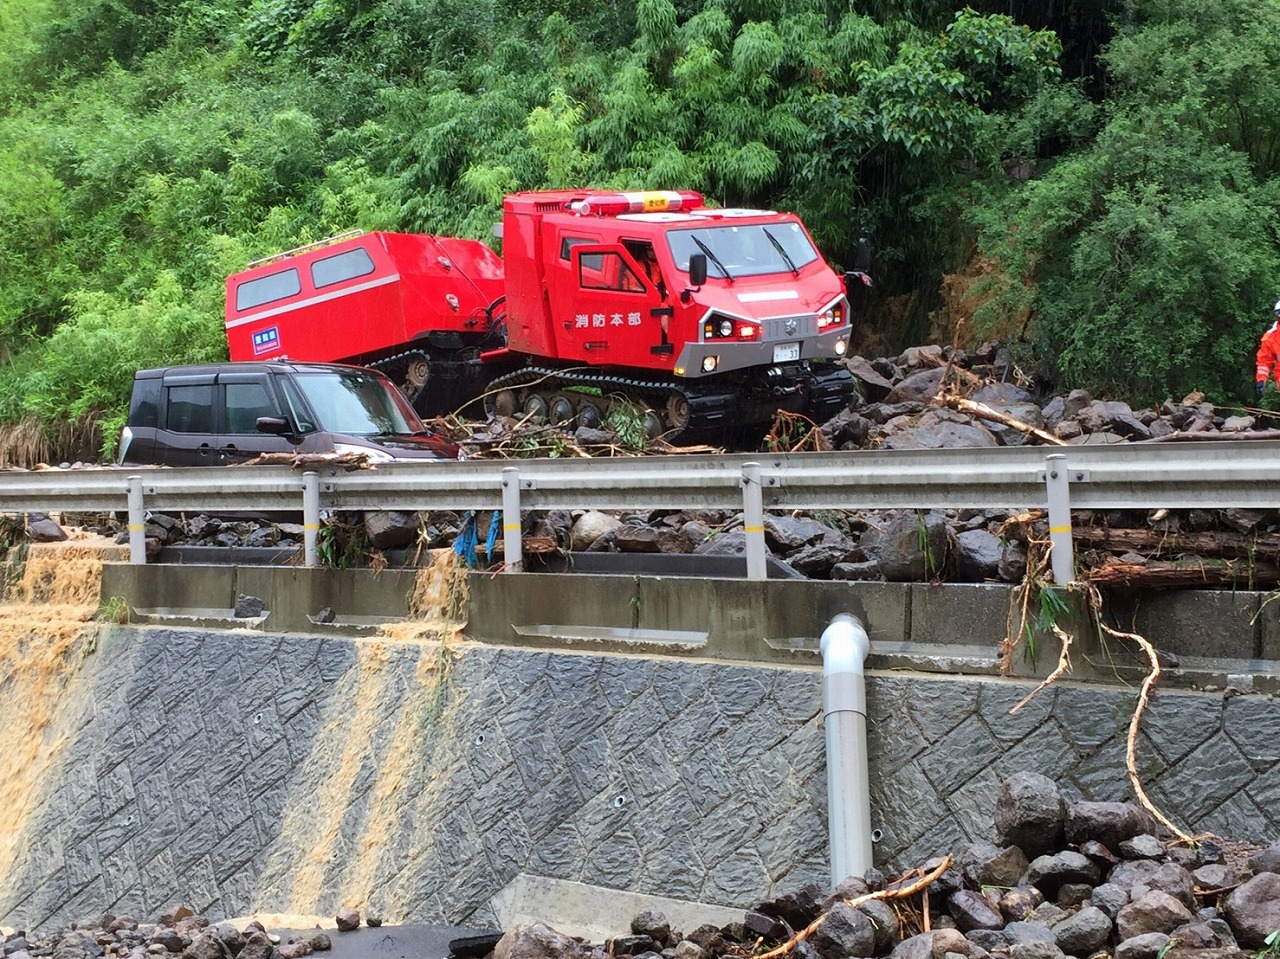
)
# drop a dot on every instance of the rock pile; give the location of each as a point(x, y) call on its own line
point(176, 933)
point(1090, 880)
point(1083, 879)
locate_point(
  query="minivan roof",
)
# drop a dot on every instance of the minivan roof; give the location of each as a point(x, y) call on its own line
point(249, 366)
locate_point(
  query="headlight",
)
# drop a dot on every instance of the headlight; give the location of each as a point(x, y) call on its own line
point(709, 363)
point(726, 327)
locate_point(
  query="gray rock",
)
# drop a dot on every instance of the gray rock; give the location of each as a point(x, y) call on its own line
point(1266, 861)
point(257, 945)
point(653, 924)
point(1154, 912)
point(41, 529)
point(917, 387)
point(977, 556)
point(971, 910)
point(884, 922)
point(1110, 898)
point(785, 533)
point(589, 527)
point(988, 939)
point(1048, 914)
point(1110, 823)
point(689, 950)
point(912, 547)
point(294, 950)
point(1146, 946)
point(1253, 910)
point(1029, 932)
point(248, 607)
point(1171, 878)
point(1035, 950)
point(845, 932)
point(1081, 934)
point(989, 865)
point(1018, 904)
point(935, 430)
point(347, 920)
point(1072, 894)
point(932, 945)
point(538, 941)
point(635, 539)
point(1145, 846)
point(1050, 873)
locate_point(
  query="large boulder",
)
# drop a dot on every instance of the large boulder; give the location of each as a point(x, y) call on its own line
point(1154, 912)
point(1029, 813)
point(1253, 910)
point(1110, 823)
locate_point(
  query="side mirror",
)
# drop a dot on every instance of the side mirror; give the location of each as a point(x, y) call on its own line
point(275, 425)
point(697, 269)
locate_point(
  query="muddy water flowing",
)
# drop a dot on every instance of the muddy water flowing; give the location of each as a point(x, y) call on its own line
point(349, 803)
point(46, 629)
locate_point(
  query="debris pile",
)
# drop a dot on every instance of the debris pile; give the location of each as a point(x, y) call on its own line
point(1064, 879)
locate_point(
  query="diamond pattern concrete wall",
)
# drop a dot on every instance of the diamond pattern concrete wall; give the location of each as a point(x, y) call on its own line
point(294, 774)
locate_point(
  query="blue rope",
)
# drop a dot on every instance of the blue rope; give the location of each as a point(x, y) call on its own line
point(465, 544)
point(494, 522)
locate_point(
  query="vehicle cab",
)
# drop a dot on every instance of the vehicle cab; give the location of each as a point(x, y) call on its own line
point(658, 280)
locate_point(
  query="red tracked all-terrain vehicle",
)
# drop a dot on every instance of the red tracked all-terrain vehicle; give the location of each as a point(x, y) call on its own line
point(708, 320)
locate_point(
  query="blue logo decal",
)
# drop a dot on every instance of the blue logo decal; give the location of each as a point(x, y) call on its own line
point(266, 341)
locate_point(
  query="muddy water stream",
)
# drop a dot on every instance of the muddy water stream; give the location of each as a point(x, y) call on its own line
point(47, 628)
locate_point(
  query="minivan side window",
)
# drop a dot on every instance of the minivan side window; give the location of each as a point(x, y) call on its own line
point(245, 403)
point(144, 404)
point(190, 408)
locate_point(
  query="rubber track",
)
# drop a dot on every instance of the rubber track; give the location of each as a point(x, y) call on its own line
point(649, 392)
point(387, 365)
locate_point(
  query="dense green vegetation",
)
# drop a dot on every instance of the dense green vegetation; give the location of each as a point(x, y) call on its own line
point(1113, 164)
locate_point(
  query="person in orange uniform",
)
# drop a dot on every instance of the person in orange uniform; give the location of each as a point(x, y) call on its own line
point(1269, 354)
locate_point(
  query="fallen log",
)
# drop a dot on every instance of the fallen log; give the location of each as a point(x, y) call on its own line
point(1220, 544)
point(995, 416)
point(1196, 573)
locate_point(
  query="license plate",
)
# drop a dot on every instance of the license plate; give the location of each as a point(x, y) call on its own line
point(786, 352)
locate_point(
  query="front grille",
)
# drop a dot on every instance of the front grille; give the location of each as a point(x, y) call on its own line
point(776, 329)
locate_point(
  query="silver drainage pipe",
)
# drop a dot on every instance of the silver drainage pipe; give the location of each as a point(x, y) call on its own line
point(844, 646)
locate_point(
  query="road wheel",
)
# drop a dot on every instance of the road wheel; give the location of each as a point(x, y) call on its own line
point(504, 403)
point(560, 409)
point(535, 408)
point(589, 415)
point(677, 411)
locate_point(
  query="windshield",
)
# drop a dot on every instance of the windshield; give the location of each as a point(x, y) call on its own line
point(736, 251)
point(357, 404)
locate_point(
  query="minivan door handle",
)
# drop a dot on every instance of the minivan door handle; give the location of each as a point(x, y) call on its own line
point(204, 449)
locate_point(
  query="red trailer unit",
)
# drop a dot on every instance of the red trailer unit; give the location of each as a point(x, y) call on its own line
point(413, 305)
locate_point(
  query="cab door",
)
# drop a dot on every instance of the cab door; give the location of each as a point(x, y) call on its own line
point(614, 313)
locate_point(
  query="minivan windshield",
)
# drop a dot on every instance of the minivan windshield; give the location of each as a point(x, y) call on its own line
point(357, 404)
point(753, 250)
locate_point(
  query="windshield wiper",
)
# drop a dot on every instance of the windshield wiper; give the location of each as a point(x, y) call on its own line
point(712, 257)
point(781, 252)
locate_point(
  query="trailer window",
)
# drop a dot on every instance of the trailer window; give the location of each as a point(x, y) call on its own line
point(343, 266)
point(567, 244)
point(266, 289)
point(190, 408)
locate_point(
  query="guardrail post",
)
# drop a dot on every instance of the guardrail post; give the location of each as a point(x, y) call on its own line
point(753, 521)
point(310, 518)
point(512, 544)
point(137, 522)
point(1058, 487)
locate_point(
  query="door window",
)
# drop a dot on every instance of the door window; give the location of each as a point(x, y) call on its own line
point(245, 403)
point(190, 408)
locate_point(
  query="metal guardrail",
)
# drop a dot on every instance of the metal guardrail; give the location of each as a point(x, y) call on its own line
point(1121, 476)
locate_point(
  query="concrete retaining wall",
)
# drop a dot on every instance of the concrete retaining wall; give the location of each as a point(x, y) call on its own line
point(243, 770)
